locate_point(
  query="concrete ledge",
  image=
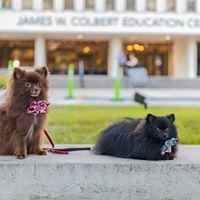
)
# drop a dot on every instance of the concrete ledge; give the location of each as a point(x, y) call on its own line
point(82, 175)
point(103, 81)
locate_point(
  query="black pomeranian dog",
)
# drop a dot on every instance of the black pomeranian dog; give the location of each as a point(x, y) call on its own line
point(152, 138)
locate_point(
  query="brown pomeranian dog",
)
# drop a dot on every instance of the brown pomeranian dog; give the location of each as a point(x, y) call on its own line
point(23, 114)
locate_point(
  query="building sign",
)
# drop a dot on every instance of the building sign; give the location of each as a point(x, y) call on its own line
point(119, 23)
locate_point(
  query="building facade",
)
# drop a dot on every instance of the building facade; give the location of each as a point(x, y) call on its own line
point(163, 34)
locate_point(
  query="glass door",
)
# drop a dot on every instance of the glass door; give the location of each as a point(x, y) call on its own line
point(154, 57)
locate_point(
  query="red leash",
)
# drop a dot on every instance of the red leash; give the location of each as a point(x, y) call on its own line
point(40, 107)
point(52, 150)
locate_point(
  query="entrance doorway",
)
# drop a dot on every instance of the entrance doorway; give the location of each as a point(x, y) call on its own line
point(155, 57)
point(93, 54)
point(21, 50)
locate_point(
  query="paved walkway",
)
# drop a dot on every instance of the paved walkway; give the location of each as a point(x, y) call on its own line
point(155, 97)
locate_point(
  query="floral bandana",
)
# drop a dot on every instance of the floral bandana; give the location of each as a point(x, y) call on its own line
point(167, 147)
point(37, 107)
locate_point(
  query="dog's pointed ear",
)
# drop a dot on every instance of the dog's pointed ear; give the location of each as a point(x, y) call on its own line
point(171, 117)
point(150, 118)
point(18, 73)
point(43, 71)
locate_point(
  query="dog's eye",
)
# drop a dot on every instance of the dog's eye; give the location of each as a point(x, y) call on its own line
point(39, 84)
point(27, 84)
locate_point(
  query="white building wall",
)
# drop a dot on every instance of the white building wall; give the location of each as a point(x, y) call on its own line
point(185, 48)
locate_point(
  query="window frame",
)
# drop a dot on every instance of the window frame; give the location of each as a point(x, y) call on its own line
point(195, 4)
point(106, 5)
point(65, 5)
point(167, 6)
point(6, 8)
point(132, 9)
point(31, 8)
point(47, 9)
point(154, 9)
point(87, 8)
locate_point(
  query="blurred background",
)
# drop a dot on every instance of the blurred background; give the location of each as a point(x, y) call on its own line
point(120, 53)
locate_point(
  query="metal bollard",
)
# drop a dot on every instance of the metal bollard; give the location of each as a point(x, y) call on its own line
point(71, 81)
point(117, 87)
point(10, 66)
point(81, 73)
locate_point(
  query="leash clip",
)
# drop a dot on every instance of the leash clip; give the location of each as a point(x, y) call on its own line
point(52, 149)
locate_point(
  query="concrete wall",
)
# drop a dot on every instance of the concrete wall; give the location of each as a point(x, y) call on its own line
point(82, 175)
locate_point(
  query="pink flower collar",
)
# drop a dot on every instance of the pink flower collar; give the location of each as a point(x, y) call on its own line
point(37, 107)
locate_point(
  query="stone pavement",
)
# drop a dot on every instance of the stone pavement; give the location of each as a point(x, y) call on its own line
point(82, 175)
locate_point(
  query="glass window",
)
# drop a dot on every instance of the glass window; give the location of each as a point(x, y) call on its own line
point(171, 5)
point(156, 57)
point(21, 50)
point(110, 4)
point(130, 4)
point(48, 4)
point(89, 4)
point(93, 55)
point(27, 4)
point(6, 3)
point(151, 5)
point(69, 4)
point(191, 5)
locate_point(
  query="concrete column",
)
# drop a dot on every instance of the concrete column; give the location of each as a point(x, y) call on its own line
point(140, 5)
point(40, 51)
point(181, 6)
point(100, 5)
point(185, 58)
point(79, 5)
point(192, 58)
point(114, 50)
point(161, 5)
point(198, 6)
point(180, 58)
point(58, 5)
point(17, 5)
point(37, 5)
point(120, 5)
